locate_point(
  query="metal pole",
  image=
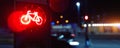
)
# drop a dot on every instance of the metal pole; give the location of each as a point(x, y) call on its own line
point(86, 37)
point(86, 21)
point(14, 34)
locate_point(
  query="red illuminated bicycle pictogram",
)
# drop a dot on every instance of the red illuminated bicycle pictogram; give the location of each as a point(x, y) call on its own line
point(26, 19)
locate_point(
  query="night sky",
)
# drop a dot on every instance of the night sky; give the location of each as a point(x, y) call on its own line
point(104, 5)
point(98, 10)
point(107, 9)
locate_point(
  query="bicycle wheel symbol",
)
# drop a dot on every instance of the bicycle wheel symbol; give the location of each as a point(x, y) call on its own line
point(38, 20)
point(25, 20)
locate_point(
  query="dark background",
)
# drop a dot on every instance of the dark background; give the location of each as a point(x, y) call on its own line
point(107, 10)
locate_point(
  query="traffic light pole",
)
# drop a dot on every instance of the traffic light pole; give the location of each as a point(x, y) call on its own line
point(86, 22)
point(86, 36)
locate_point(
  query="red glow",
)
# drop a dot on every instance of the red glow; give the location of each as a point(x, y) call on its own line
point(28, 18)
point(19, 21)
point(58, 5)
point(86, 17)
point(14, 21)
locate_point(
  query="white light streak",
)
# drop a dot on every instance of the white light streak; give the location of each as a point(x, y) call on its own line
point(101, 24)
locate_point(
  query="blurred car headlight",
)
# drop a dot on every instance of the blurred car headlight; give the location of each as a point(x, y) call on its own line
point(74, 43)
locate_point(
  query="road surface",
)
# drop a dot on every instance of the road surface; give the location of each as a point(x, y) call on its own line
point(100, 41)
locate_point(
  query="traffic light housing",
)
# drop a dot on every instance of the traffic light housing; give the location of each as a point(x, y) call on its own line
point(33, 28)
point(30, 16)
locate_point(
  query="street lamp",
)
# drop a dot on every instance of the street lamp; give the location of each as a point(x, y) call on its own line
point(78, 4)
point(78, 15)
point(78, 10)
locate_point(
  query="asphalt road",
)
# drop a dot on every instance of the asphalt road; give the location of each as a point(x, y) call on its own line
point(96, 41)
point(100, 41)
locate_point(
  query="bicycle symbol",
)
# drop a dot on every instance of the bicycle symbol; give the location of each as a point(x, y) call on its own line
point(26, 19)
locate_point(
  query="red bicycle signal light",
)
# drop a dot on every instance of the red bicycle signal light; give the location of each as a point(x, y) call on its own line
point(21, 20)
point(26, 19)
